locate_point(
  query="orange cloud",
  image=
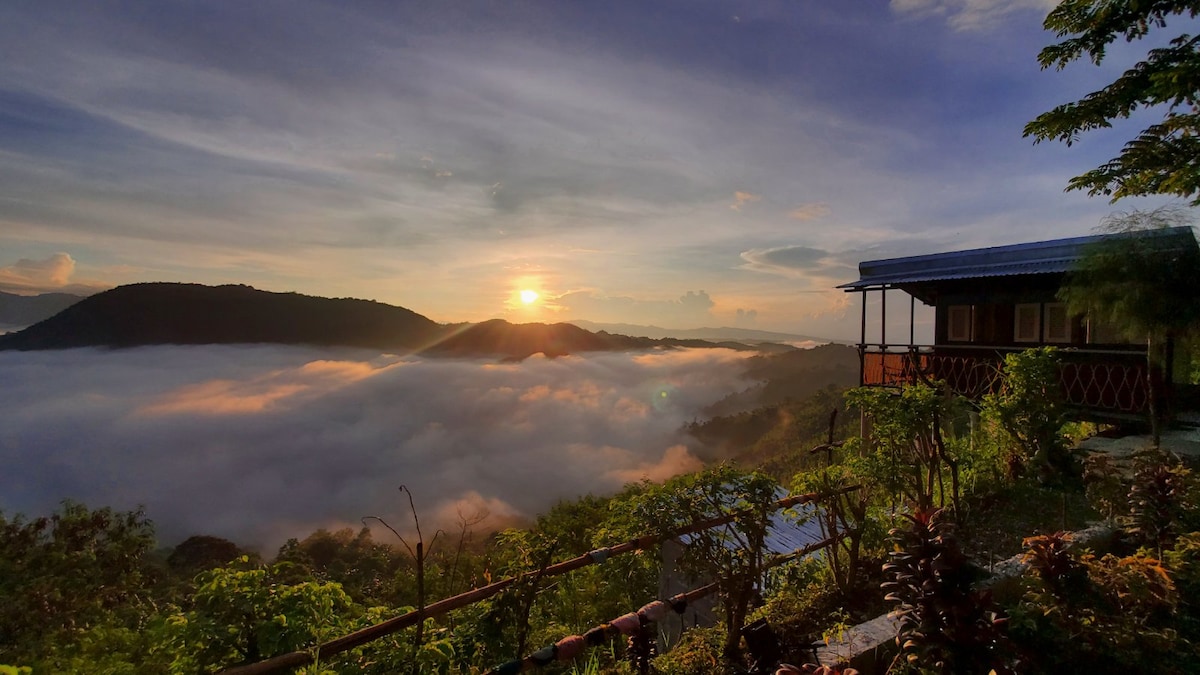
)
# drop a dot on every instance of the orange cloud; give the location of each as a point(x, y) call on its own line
point(487, 513)
point(676, 459)
point(740, 199)
point(222, 397)
point(537, 393)
point(347, 371)
point(628, 409)
point(233, 397)
point(809, 211)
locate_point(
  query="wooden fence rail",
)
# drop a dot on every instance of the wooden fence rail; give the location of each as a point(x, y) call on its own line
point(633, 621)
point(362, 636)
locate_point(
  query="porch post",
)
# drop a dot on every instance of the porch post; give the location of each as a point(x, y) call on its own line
point(1168, 388)
point(912, 317)
point(862, 340)
point(913, 370)
point(883, 317)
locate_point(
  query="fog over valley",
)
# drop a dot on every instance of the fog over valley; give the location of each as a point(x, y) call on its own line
point(261, 443)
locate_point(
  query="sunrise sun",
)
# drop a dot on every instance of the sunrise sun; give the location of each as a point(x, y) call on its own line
point(528, 296)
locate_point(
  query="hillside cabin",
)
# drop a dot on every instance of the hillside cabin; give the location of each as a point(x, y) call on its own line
point(992, 301)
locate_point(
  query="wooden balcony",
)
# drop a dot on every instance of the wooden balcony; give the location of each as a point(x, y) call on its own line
point(1094, 380)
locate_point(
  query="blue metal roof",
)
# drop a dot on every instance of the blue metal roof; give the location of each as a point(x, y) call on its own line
point(785, 532)
point(1042, 257)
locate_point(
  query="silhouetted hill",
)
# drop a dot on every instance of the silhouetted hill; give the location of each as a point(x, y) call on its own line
point(518, 341)
point(169, 313)
point(499, 337)
point(26, 310)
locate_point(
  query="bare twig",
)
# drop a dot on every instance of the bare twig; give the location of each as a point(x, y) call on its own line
point(419, 555)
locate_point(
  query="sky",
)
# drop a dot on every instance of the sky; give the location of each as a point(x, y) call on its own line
point(261, 443)
point(682, 164)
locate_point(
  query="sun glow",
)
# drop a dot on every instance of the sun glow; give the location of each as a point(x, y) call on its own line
point(529, 297)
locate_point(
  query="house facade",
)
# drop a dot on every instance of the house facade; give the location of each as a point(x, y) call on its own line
point(992, 301)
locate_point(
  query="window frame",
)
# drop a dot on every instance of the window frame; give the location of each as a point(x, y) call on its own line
point(1047, 325)
point(1036, 336)
point(951, 335)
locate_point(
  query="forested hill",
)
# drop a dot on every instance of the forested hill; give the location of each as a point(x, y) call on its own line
point(173, 313)
point(170, 313)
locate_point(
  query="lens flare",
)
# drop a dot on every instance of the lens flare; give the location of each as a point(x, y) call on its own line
point(663, 397)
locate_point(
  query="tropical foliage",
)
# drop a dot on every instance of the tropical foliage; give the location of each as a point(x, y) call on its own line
point(1027, 413)
point(1162, 158)
point(107, 601)
point(1140, 285)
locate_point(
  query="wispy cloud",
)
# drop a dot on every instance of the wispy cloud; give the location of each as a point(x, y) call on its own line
point(741, 199)
point(810, 211)
point(797, 262)
point(971, 15)
point(692, 309)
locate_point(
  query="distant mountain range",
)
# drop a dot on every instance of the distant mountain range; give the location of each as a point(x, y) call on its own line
point(26, 310)
point(174, 313)
point(743, 335)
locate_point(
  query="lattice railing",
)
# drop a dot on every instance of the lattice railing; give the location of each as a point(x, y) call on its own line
point(967, 375)
point(1106, 385)
point(1101, 380)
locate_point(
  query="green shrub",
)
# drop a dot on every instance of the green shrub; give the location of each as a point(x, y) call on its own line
point(1028, 412)
point(698, 653)
point(244, 613)
point(73, 577)
point(908, 455)
point(1110, 614)
point(1162, 499)
point(1106, 490)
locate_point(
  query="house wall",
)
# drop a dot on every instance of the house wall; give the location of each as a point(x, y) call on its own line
point(994, 306)
point(1105, 375)
point(994, 325)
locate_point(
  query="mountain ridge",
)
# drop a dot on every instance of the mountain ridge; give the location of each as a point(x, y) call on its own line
point(703, 333)
point(179, 313)
point(26, 310)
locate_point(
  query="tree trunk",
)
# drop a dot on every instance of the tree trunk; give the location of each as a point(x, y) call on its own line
point(736, 604)
point(1152, 392)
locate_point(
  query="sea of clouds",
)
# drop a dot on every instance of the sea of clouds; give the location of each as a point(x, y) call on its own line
point(261, 443)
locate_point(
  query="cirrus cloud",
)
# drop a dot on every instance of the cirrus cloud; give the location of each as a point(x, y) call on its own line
point(809, 211)
point(970, 15)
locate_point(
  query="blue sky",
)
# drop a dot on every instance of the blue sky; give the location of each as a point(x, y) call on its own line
point(676, 163)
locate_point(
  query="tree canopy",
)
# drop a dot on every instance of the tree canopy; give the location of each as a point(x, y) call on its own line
point(1141, 284)
point(1164, 158)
